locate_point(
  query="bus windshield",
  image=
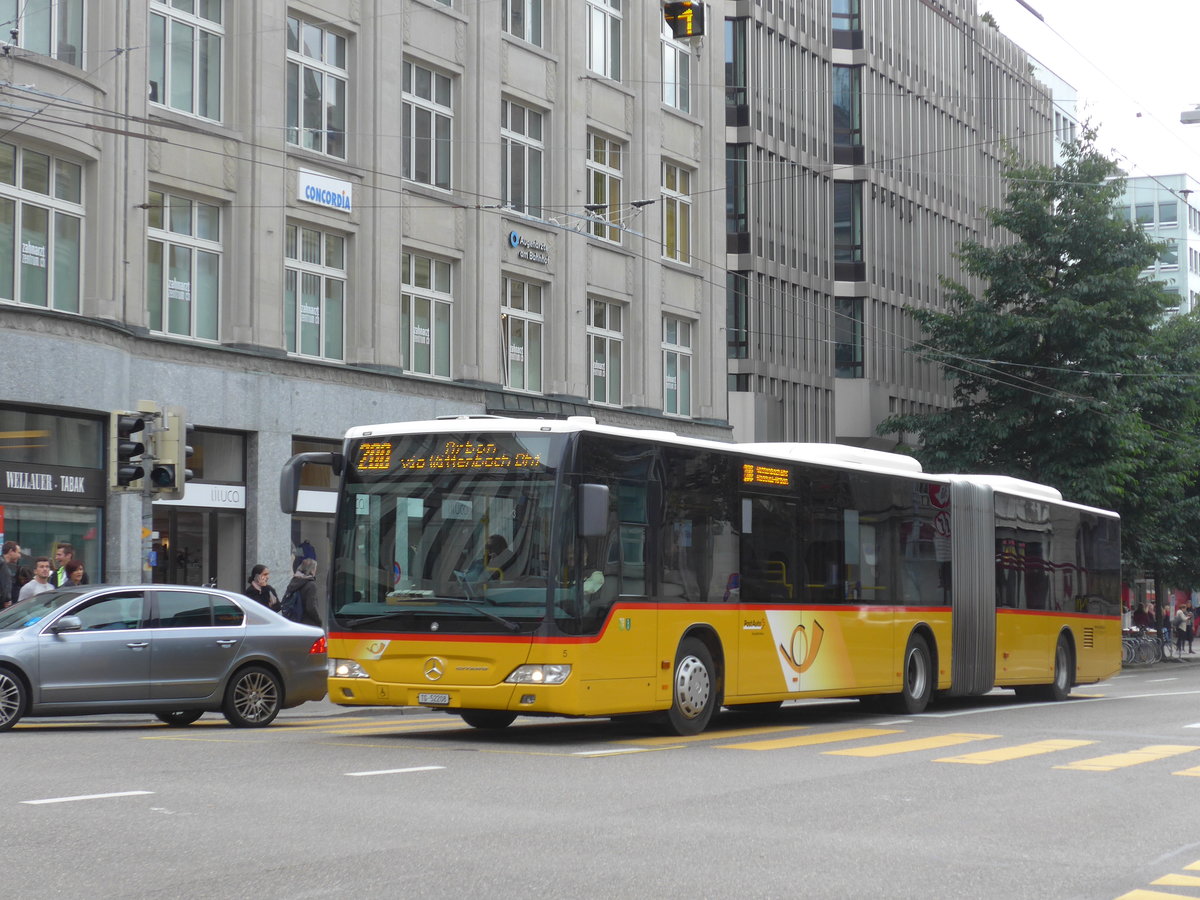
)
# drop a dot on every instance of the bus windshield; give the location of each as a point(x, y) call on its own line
point(445, 532)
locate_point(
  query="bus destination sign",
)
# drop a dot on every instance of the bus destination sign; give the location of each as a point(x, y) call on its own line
point(777, 476)
point(377, 456)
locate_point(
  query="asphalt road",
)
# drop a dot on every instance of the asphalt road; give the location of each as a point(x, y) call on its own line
point(989, 798)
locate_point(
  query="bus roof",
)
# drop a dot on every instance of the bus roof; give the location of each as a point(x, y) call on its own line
point(842, 456)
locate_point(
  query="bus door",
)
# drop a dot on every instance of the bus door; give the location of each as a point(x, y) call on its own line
point(772, 585)
point(612, 596)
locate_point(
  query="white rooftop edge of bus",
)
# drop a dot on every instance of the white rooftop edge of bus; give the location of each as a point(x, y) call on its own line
point(819, 454)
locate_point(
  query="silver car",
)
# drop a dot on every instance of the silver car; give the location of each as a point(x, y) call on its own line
point(174, 651)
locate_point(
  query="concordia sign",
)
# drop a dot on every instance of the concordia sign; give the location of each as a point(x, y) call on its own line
point(313, 187)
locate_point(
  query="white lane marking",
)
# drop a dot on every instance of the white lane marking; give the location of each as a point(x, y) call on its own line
point(1157, 680)
point(611, 752)
point(85, 797)
point(395, 771)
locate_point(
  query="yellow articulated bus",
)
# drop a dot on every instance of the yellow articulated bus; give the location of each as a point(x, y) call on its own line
point(496, 567)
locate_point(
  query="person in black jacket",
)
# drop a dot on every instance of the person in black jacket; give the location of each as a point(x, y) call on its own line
point(258, 588)
point(10, 556)
point(305, 581)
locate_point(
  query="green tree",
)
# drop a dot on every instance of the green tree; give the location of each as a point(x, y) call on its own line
point(1061, 366)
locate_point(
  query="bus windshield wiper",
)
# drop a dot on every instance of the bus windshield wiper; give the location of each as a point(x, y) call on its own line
point(478, 606)
point(474, 604)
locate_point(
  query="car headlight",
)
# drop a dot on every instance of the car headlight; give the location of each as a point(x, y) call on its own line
point(346, 668)
point(543, 674)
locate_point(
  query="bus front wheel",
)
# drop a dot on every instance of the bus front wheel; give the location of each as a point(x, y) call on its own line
point(694, 688)
point(488, 718)
point(917, 678)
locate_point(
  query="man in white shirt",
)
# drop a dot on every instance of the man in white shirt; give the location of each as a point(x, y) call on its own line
point(41, 579)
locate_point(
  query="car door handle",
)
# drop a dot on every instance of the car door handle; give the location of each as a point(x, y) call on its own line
point(137, 645)
point(227, 642)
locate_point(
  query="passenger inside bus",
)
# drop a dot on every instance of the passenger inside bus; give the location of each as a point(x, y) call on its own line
point(489, 567)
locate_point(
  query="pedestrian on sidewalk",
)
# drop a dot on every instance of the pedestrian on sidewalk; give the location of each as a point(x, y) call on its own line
point(1181, 625)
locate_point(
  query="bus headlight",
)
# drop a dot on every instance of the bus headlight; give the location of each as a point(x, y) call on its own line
point(346, 668)
point(543, 674)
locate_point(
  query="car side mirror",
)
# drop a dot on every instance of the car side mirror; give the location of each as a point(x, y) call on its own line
point(67, 623)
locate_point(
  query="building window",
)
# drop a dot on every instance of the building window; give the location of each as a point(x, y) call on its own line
point(604, 37)
point(676, 71)
point(736, 64)
point(521, 157)
point(52, 27)
point(1144, 213)
point(605, 340)
point(677, 213)
point(428, 119)
point(1168, 212)
point(848, 337)
point(185, 56)
point(677, 366)
point(183, 283)
point(846, 15)
point(41, 221)
point(1169, 257)
point(737, 315)
point(847, 222)
point(314, 292)
point(316, 88)
point(425, 304)
point(847, 106)
point(737, 189)
point(522, 19)
point(521, 334)
point(604, 187)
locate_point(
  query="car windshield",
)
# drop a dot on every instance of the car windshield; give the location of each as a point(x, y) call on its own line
point(453, 530)
point(33, 610)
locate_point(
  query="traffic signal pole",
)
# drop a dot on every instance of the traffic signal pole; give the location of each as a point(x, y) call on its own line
point(153, 417)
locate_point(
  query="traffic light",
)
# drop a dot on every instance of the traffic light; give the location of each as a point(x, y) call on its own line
point(124, 451)
point(172, 451)
point(685, 18)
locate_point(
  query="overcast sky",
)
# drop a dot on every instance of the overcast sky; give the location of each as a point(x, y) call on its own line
point(1135, 65)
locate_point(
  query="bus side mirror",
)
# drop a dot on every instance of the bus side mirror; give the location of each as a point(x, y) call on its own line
point(289, 478)
point(593, 510)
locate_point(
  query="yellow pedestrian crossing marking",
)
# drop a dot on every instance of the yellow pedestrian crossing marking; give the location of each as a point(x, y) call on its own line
point(808, 740)
point(929, 743)
point(1173, 880)
point(709, 736)
point(1146, 754)
point(1021, 751)
point(1177, 881)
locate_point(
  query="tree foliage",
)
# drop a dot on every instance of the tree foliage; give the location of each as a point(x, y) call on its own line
point(1064, 367)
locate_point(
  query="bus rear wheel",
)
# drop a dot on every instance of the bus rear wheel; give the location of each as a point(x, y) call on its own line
point(488, 718)
point(917, 678)
point(1060, 688)
point(694, 688)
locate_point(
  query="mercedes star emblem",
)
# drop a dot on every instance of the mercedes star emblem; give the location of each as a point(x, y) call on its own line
point(434, 668)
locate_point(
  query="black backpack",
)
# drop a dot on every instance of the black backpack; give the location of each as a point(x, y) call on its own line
point(292, 606)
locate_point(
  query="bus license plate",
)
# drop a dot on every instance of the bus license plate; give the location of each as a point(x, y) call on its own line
point(433, 699)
